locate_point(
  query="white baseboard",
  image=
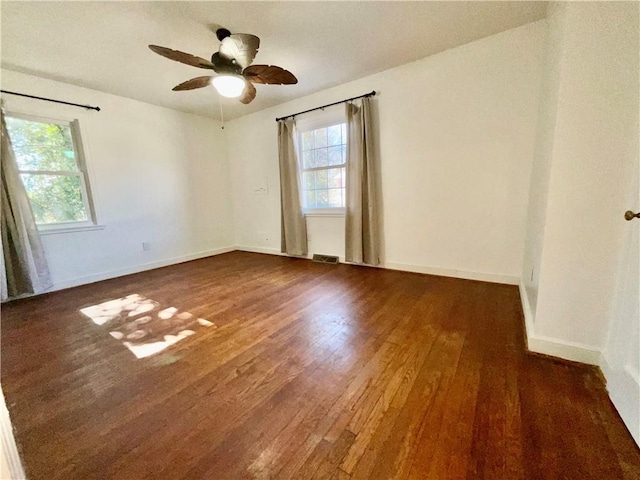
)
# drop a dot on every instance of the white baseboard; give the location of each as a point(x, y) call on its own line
point(445, 272)
point(526, 310)
point(270, 251)
point(623, 386)
point(562, 349)
point(552, 346)
point(136, 269)
point(442, 272)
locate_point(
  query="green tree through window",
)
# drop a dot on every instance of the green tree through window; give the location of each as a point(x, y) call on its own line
point(50, 169)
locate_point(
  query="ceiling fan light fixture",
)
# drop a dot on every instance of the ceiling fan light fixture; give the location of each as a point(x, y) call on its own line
point(230, 86)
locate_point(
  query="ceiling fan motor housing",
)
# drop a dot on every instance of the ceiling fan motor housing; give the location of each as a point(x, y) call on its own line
point(224, 65)
point(222, 33)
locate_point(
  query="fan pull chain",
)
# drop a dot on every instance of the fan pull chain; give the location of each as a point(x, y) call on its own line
point(221, 113)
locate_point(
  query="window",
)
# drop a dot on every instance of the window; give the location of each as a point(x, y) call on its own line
point(52, 168)
point(323, 163)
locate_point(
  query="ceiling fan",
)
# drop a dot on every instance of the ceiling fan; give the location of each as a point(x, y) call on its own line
point(232, 63)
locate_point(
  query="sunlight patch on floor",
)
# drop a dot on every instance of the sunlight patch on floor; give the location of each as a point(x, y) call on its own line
point(142, 325)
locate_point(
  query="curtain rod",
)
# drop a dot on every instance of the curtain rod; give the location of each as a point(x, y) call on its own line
point(370, 94)
point(88, 107)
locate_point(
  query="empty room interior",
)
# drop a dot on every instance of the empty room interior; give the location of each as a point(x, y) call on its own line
point(320, 240)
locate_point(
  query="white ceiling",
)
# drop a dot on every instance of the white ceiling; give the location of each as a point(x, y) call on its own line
point(103, 45)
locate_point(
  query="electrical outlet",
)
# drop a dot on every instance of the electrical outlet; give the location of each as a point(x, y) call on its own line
point(146, 246)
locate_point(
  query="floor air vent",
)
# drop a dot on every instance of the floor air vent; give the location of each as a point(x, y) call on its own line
point(325, 259)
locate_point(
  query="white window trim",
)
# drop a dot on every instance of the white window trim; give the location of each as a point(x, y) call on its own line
point(55, 228)
point(338, 212)
point(333, 116)
point(83, 173)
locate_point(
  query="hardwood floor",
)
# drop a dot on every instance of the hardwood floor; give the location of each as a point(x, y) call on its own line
point(311, 371)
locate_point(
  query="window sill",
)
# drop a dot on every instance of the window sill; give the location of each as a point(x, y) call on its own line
point(325, 212)
point(80, 228)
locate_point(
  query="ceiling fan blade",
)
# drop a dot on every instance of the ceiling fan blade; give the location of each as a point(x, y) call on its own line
point(182, 57)
point(249, 93)
point(241, 47)
point(269, 74)
point(198, 82)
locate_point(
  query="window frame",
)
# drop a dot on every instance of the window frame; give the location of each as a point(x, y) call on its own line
point(319, 120)
point(82, 173)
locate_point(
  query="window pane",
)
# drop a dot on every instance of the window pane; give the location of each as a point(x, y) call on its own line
point(344, 133)
point(335, 177)
point(344, 177)
point(308, 160)
point(320, 137)
point(334, 135)
point(321, 179)
point(307, 140)
point(310, 199)
point(322, 198)
point(335, 155)
point(307, 180)
point(55, 198)
point(344, 154)
point(324, 147)
point(322, 157)
point(335, 197)
point(42, 146)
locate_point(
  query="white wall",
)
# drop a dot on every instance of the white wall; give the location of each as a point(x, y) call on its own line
point(585, 253)
point(456, 137)
point(591, 130)
point(157, 175)
point(584, 227)
point(541, 168)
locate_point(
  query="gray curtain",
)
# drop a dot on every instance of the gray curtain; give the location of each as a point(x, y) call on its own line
point(293, 225)
point(362, 219)
point(24, 265)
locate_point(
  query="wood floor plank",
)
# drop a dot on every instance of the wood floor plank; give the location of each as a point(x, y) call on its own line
point(335, 455)
point(401, 446)
point(311, 371)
